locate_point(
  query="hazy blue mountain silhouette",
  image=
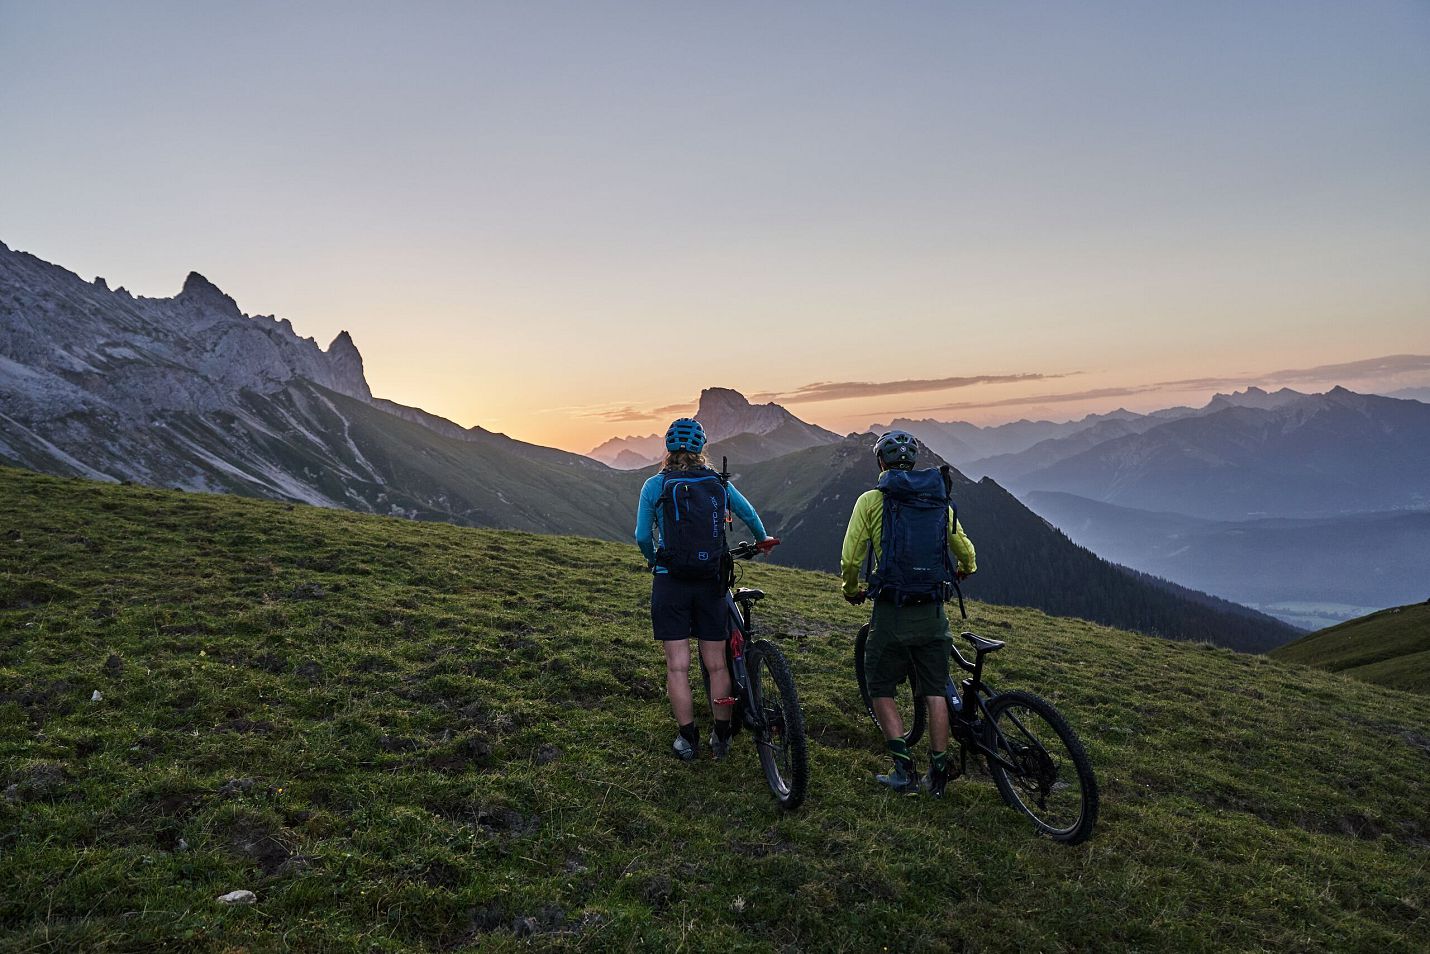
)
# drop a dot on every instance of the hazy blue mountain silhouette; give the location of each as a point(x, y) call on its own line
point(1320, 455)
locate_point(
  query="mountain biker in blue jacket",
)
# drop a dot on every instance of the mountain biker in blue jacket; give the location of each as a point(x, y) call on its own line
point(682, 608)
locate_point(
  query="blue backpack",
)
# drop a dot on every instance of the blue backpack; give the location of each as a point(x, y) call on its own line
point(915, 565)
point(692, 506)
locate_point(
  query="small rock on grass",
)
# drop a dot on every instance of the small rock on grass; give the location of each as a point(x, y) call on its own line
point(97, 697)
point(235, 786)
point(238, 897)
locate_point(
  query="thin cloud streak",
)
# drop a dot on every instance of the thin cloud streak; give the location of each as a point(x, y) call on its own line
point(840, 390)
point(620, 415)
point(1091, 395)
point(1350, 370)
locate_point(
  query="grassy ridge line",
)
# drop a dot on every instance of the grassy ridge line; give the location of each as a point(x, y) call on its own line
point(1389, 648)
point(417, 736)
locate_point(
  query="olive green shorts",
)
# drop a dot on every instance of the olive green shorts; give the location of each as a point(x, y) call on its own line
point(907, 642)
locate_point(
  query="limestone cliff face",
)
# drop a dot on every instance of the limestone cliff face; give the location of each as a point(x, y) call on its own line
point(726, 413)
point(346, 365)
point(67, 345)
point(190, 392)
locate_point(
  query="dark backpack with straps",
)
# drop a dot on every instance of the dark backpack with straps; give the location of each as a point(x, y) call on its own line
point(692, 507)
point(915, 565)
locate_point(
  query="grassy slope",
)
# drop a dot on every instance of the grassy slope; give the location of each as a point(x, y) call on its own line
point(457, 737)
point(1390, 648)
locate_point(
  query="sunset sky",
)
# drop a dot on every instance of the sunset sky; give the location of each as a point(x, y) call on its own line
point(561, 220)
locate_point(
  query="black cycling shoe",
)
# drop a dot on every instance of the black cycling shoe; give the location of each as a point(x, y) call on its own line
point(683, 749)
point(935, 780)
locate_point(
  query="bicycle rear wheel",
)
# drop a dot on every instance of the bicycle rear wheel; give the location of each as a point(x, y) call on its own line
point(779, 738)
point(1053, 783)
point(911, 709)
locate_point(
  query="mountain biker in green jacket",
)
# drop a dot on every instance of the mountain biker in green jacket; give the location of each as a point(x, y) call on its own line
point(908, 640)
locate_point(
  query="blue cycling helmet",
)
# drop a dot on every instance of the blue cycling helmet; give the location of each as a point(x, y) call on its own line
point(897, 450)
point(685, 434)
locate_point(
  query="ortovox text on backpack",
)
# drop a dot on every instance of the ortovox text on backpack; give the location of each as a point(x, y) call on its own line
point(692, 505)
point(915, 565)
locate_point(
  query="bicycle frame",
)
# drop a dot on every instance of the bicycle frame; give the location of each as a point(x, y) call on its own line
point(968, 720)
point(740, 630)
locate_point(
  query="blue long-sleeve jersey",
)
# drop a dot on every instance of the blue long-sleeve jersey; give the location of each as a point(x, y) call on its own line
point(649, 518)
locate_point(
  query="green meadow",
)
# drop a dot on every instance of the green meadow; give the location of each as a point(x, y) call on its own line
point(414, 736)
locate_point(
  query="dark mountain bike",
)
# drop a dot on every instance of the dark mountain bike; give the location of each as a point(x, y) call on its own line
point(1036, 759)
point(764, 696)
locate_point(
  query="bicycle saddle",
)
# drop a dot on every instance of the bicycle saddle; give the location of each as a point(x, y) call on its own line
point(746, 593)
point(983, 645)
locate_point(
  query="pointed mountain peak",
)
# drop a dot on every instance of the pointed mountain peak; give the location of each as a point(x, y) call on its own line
point(346, 363)
point(723, 398)
point(196, 285)
point(200, 291)
point(726, 412)
point(343, 343)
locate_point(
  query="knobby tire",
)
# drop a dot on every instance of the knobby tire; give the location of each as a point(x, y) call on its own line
point(1057, 789)
point(915, 715)
point(781, 742)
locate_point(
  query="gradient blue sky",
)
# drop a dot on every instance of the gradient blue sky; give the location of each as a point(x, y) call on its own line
point(554, 218)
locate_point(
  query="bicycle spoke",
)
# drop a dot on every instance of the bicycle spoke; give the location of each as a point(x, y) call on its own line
point(1038, 780)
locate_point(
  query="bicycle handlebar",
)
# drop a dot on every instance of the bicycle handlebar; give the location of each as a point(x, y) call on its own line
point(746, 550)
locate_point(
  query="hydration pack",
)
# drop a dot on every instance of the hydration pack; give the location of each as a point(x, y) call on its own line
point(692, 507)
point(915, 565)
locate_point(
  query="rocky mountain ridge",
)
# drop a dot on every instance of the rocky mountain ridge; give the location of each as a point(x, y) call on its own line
point(190, 392)
point(726, 414)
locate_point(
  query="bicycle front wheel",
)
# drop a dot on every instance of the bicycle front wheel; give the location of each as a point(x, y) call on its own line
point(779, 737)
point(1051, 780)
point(912, 710)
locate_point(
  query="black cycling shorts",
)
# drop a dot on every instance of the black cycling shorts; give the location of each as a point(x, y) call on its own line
point(680, 609)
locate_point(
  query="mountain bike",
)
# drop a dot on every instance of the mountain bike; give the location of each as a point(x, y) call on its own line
point(1035, 758)
point(763, 692)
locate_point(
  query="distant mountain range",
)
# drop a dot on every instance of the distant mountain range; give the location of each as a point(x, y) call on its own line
point(1022, 560)
point(1244, 455)
point(190, 392)
point(967, 445)
point(1313, 507)
point(735, 428)
point(1318, 455)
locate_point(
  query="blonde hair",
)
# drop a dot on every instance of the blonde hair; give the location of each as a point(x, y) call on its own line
point(684, 460)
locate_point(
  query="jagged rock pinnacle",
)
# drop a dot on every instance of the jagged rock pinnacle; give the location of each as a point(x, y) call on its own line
point(346, 362)
point(200, 291)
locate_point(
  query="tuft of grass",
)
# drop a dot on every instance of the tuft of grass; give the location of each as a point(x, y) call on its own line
point(409, 736)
